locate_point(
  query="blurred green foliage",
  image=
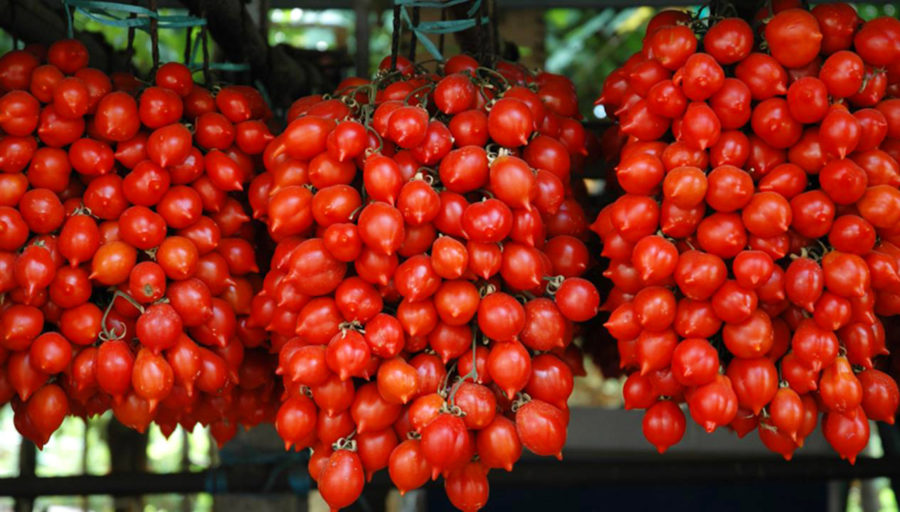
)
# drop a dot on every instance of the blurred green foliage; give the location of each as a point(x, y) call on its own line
point(588, 44)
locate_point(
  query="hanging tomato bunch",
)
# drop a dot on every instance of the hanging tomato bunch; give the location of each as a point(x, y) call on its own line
point(127, 262)
point(424, 290)
point(754, 250)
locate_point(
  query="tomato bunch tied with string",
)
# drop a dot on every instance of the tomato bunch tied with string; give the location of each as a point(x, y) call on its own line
point(127, 260)
point(426, 284)
point(753, 249)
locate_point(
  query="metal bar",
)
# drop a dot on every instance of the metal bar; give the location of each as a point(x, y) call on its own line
point(578, 472)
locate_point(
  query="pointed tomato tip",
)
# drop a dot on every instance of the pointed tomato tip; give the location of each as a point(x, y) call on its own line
point(662, 449)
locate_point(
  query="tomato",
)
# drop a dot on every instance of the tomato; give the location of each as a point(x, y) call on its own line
point(512, 181)
point(16, 152)
point(381, 227)
point(794, 37)
point(812, 213)
point(755, 382)
point(671, 45)
point(296, 419)
point(509, 365)
point(848, 433)
point(772, 122)
point(807, 100)
point(175, 77)
point(407, 466)
point(666, 99)
point(729, 40)
point(878, 41)
point(846, 275)
point(877, 205)
point(663, 425)
point(152, 377)
point(714, 404)
point(69, 55)
point(763, 74)
point(178, 257)
point(879, 395)
point(813, 346)
point(655, 349)
point(839, 133)
point(117, 117)
point(838, 23)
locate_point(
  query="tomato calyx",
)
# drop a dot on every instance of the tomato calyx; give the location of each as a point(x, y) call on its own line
point(353, 325)
point(345, 443)
point(521, 399)
point(111, 334)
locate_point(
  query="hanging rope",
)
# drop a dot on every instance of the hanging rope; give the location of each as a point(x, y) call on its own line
point(188, 43)
point(12, 22)
point(129, 45)
point(264, 20)
point(204, 40)
point(154, 38)
point(441, 36)
point(110, 13)
point(493, 32)
point(421, 29)
point(413, 35)
point(395, 37)
point(148, 19)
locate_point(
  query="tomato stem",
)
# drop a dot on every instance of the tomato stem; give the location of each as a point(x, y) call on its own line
point(105, 333)
point(473, 371)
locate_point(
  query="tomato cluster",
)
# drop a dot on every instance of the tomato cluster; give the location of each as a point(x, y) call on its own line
point(126, 264)
point(755, 250)
point(424, 288)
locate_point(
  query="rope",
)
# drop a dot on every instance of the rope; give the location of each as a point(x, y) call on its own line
point(413, 35)
point(204, 40)
point(129, 47)
point(264, 20)
point(441, 36)
point(154, 38)
point(395, 36)
point(12, 22)
point(421, 29)
point(148, 19)
point(108, 13)
point(201, 44)
point(188, 43)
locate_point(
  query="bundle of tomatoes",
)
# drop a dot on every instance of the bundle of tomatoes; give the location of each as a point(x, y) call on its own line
point(755, 248)
point(126, 263)
point(425, 284)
